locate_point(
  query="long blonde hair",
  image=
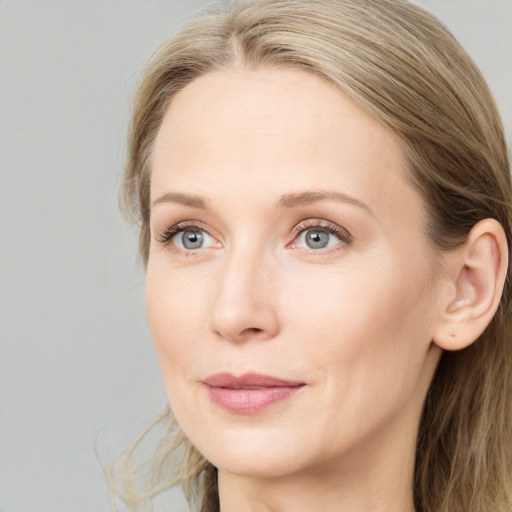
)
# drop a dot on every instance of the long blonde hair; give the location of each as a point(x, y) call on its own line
point(402, 66)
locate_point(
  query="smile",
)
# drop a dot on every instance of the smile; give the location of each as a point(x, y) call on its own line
point(250, 393)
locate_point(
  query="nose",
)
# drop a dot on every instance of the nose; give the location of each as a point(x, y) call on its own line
point(244, 301)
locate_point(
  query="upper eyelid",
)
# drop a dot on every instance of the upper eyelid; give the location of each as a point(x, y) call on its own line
point(319, 223)
point(313, 222)
point(188, 224)
point(167, 234)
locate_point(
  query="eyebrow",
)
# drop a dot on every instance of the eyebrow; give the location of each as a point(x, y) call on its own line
point(285, 201)
point(185, 199)
point(308, 197)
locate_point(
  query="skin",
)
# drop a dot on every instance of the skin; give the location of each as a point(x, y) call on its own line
point(353, 321)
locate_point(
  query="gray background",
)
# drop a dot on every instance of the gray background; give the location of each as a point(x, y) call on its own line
point(77, 369)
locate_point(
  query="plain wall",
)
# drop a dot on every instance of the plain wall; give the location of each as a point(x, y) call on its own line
point(77, 369)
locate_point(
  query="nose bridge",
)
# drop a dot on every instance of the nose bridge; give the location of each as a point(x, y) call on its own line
point(243, 306)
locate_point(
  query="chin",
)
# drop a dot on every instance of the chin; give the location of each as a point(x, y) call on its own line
point(250, 464)
point(253, 452)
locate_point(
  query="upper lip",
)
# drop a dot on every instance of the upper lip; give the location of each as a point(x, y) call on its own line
point(248, 381)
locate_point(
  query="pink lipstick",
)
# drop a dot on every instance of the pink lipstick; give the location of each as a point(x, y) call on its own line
point(249, 393)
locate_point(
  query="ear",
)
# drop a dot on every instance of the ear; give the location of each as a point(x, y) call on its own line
point(476, 275)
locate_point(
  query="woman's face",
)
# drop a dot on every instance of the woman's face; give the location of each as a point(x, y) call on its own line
point(290, 288)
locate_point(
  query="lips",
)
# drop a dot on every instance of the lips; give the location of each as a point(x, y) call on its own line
point(250, 393)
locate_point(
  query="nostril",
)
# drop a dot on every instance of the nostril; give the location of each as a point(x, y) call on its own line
point(252, 330)
point(253, 333)
point(246, 333)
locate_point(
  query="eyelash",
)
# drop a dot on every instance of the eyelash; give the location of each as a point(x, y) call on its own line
point(342, 234)
point(166, 237)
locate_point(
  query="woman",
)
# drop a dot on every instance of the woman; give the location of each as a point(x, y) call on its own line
point(323, 194)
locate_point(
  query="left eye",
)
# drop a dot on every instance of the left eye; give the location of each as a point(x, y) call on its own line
point(317, 238)
point(192, 239)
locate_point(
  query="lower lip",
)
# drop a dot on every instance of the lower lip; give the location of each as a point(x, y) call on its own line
point(250, 401)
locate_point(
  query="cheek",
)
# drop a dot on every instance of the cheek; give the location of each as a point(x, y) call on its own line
point(176, 312)
point(354, 298)
point(363, 324)
point(366, 335)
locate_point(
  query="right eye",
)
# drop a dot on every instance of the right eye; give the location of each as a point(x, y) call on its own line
point(186, 238)
point(192, 239)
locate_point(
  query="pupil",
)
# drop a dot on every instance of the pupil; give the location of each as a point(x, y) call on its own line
point(317, 239)
point(192, 239)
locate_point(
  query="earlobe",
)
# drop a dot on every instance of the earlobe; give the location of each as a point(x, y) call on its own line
point(476, 276)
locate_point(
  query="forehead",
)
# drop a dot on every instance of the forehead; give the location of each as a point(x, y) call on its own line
point(277, 130)
point(287, 104)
